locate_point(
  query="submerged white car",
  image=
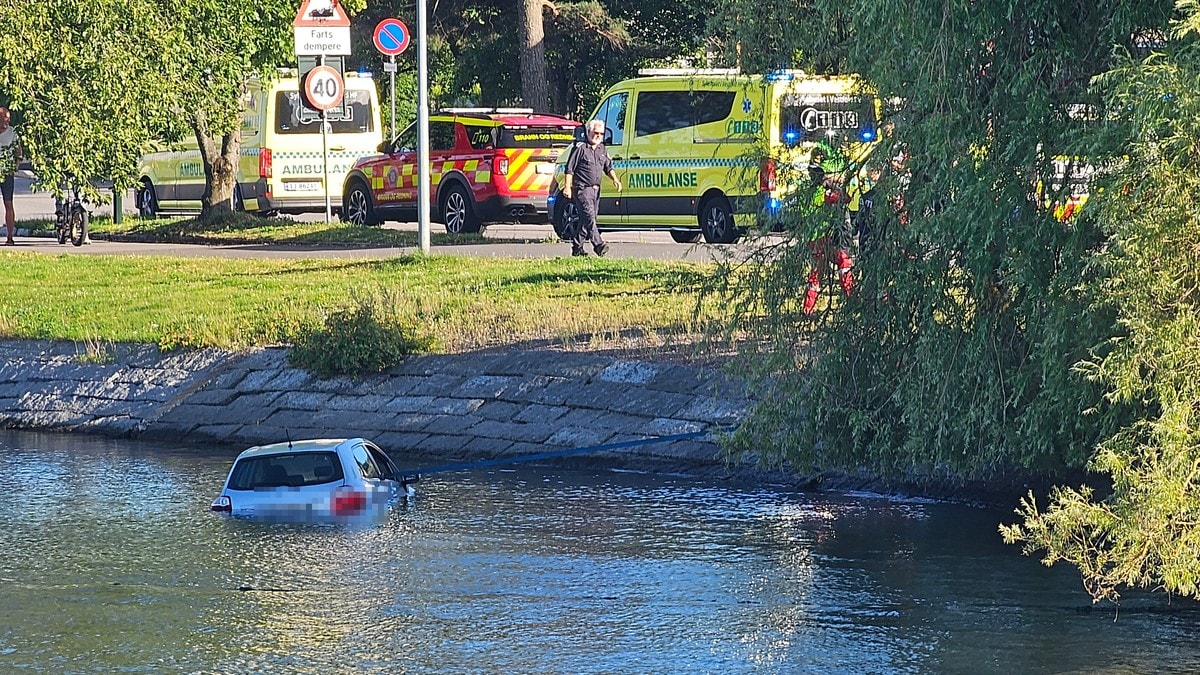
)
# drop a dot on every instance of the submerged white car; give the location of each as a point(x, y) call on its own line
point(312, 480)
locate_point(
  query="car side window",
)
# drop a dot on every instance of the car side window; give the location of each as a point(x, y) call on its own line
point(441, 136)
point(481, 137)
point(659, 111)
point(366, 465)
point(406, 141)
point(612, 112)
point(384, 462)
point(712, 106)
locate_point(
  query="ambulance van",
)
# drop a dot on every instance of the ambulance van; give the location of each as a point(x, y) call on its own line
point(712, 153)
point(281, 169)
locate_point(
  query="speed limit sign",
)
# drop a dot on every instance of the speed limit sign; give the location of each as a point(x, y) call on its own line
point(323, 88)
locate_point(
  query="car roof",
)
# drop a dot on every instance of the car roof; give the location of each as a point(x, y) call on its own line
point(308, 445)
point(508, 116)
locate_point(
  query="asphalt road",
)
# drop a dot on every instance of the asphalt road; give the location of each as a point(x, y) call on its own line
point(501, 240)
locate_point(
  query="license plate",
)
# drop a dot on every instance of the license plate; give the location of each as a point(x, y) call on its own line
point(544, 167)
point(307, 186)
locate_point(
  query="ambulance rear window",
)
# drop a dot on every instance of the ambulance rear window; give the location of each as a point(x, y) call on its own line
point(804, 118)
point(293, 117)
point(536, 137)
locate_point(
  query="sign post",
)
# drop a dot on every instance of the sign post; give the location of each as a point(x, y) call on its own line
point(391, 39)
point(322, 29)
point(422, 127)
point(324, 89)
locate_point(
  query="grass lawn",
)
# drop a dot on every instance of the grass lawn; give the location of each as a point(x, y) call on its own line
point(462, 303)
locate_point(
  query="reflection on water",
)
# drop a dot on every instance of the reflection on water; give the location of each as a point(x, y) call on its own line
point(113, 562)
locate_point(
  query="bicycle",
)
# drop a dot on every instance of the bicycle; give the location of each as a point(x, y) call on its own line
point(71, 218)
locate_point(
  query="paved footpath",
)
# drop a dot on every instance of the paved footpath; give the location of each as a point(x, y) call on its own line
point(428, 409)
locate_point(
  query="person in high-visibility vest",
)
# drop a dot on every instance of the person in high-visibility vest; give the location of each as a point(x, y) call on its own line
point(861, 193)
point(826, 168)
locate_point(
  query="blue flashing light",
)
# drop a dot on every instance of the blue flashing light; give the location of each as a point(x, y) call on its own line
point(867, 134)
point(791, 136)
point(779, 77)
point(551, 199)
point(773, 204)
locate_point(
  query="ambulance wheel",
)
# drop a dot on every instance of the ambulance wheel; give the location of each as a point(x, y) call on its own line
point(235, 202)
point(566, 221)
point(458, 211)
point(716, 222)
point(146, 200)
point(356, 205)
point(685, 236)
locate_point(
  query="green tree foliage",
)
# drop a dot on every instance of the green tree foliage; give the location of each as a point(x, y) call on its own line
point(217, 47)
point(953, 357)
point(589, 45)
point(1144, 532)
point(987, 337)
point(76, 74)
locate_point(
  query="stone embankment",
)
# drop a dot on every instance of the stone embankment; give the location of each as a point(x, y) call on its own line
point(436, 407)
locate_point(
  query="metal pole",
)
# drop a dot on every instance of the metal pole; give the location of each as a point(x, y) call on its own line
point(325, 156)
point(392, 79)
point(422, 132)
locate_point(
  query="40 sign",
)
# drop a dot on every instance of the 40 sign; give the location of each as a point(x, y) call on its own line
point(323, 88)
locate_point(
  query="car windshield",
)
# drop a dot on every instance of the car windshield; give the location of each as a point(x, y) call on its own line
point(536, 137)
point(296, 469)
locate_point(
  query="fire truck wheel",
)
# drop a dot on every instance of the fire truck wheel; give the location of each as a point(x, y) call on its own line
point(458, 211)
point(356, 205)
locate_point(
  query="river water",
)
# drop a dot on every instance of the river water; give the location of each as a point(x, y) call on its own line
point(110, 561)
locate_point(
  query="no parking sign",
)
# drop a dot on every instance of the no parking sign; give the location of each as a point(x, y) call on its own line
point(391, 37)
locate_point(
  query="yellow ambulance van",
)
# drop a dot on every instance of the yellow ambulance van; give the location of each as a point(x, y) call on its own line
point(281, 168)
point(713, 152)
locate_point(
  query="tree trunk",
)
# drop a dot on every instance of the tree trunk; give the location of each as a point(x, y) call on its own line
point(533, 56)
point(220, 156)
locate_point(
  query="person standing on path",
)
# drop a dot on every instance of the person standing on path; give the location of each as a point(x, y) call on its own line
point(587, 163)
point(10, 157)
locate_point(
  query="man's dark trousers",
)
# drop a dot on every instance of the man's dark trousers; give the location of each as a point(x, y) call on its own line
point(587, 199)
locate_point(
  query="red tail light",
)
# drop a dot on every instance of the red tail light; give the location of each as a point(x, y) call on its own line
point(766, 176)
point(264, 163)
point(500, 165)
point(222, 503)
point(349, 502)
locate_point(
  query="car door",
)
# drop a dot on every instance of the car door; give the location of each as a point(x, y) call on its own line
point(443, 139)
point(373, 472)
point(399, 185)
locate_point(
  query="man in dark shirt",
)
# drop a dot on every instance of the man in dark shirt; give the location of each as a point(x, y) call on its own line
point(587, 163)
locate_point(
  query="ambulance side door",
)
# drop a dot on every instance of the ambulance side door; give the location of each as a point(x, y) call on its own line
point(662, 183)
point(614, 112)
